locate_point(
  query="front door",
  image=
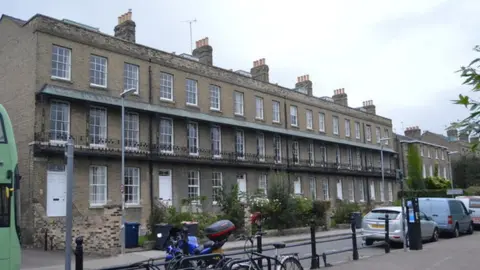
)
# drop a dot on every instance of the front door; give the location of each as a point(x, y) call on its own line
point(165, 186)
point(56, 193)
point(242, 186)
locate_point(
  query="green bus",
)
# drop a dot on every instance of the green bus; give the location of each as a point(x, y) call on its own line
point(10, 251)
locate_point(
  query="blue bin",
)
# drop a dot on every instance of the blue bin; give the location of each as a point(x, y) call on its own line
point(131, 234)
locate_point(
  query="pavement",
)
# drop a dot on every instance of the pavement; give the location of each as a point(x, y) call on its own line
point(446, 254)
point(50, 260)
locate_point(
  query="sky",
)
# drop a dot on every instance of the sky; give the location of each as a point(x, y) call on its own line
point(403, 55)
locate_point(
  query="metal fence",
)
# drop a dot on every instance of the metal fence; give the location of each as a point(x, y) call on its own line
point(227, 261)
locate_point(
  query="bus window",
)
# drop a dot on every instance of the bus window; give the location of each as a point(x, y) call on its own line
point(4, 207)
point(3, 136)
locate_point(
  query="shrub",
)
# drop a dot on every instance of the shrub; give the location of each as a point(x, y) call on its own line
point(473, 190)
point(343, 212)
point(319, 212)
point(231, 207)
point(158, 215)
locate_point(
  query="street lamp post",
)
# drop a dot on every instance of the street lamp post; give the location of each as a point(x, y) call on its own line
point(382, 140)
point(122, 226)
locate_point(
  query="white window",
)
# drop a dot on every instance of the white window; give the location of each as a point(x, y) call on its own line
point(215, 97)
point(216, 137)
point(98, 71)
point(238, 103)
point(130, 77)
point(436, 153)
point(372, 190)
point(98, 185)
point(361, 190)
point(61, 62)
point(377, 134)
point(262, 183)
point(369, 133)
point(321, 122)
point(296, 153)
point(386, 135)
point(217, 185)
point(431, 170)
point(357, 130)
point(313, 187)
point(191, 89)
point(276, 111)
point(347, 128)
point(166, 135)
point(424, 171)
point(297, 186)
point(421, 150)
point(335, 125)
point(132, 186)
point(59, 121)
point(445, 172)
point(428, 152)
point(193, 191)
point(390, 192)
point(339, 189)
point(240, 144)
point(259, 108)
point(443, 155)
point(382, 191)
point(166, 86)
point(261, 146)
point(132, 136)
point(309, 116)
point(351, 191)
point(293, 115)
point(325, 190)
point(338, 157)
point(277, 148)
point(311, 154)
point(192, 129)
point(98, 126)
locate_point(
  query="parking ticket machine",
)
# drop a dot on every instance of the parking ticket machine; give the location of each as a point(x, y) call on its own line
point(413, 224)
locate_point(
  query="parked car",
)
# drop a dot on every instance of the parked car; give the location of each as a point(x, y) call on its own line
point(472, 203)
point(373, 225)
point(450, 214)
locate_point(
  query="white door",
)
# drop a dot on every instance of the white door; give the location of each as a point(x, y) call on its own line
point(56, 194)
point(165, 186)
point(242, 186)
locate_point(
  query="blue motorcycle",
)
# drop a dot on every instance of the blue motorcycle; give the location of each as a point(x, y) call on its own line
point(181, 244)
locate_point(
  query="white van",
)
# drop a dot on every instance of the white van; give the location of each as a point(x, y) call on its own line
point(472, 203)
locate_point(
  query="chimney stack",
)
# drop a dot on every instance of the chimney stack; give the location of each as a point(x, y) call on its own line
point(413, 132)
point(203, 52)
point(452, 134)
point(369, 107)
point(260, 70)
point(303, 82)
point(125, 28)
point(463, 136)
point(340, 97)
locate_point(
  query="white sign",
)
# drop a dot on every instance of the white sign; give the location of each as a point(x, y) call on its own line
point(455, 191)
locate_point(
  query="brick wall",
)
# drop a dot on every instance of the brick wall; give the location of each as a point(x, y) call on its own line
point(101, 233)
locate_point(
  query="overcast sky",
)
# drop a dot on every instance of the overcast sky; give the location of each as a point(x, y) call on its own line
point(401, 54)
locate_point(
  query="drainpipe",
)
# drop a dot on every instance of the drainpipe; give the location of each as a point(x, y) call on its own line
point(150, 129)
point(286, 138)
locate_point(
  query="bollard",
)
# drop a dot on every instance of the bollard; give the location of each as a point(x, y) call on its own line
point(79, 253)
point(315, 263)
point(354, 238)
point(387, 234)
point(259, 242)
point(45, 246)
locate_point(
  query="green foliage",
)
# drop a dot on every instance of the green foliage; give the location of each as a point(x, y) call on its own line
point(472, 191)
point(435, 172)
point(157, 215)
point(466, 172)
point(415, 174)
point(436, 183)
point(231, 207)
point(470, 124)
point(441, 193)
point(344, 210)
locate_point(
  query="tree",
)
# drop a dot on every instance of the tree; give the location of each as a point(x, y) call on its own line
point(471, 124)
point(435, 172)
point(415, 174)
point(466, 172)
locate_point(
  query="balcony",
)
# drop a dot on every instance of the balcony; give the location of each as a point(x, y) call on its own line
point(47, 143)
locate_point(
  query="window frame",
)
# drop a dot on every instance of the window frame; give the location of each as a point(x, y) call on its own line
point(238, 103)
point(191, 91)
point(196, 177)
point(261, 147)
point(196, 139)
point(137, 139)
point(321, 122)
point(263, 183)
point(95, 71)
point(105, 136)
point(68, 64)
point(167, 82)
point(126, 78)
point(216, 187)
point(103, 185)
point(138, 186)
point(358, 133)
point(57, 141)
point(259, 108)
point(368, 135)
point(293, 116)
point(335, 125)
point(216, 153)
point(277, 148)
point(276, 114)
point(215, 89)
point(347, 128)
point(161, 135)
point(240, 155)
point(295, 152)
point(311, 154)
point(309, 119)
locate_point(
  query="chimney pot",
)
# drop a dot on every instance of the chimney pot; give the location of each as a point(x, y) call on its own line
point(203, 51)
point(125, 28)
point(260, 70)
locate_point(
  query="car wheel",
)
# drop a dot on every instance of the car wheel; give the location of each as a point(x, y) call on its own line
point(456, 232)
point(470, 229)
point(368, 242)
point(435, 235)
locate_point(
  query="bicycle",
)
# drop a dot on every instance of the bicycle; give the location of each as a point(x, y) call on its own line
point(280, 261)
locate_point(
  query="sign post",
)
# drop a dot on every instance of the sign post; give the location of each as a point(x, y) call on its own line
point(69, 225)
